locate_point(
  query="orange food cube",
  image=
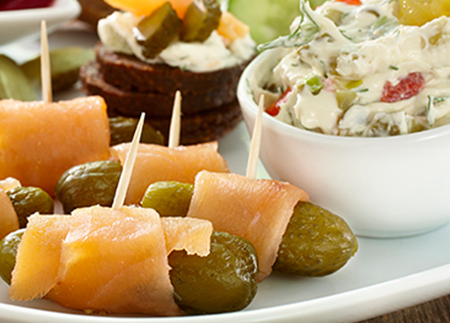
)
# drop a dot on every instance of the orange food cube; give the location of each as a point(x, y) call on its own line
point(258, 210)
point(9, 221)
point(190, 234)
point(38, 257)
point(232, 28)
point(102, 260)
point(40, 141)
point(156, 163)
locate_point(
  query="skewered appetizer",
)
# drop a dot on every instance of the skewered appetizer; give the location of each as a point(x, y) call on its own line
point(290, 234)
point(40, 141)
point(95, 182)
point(156, 48)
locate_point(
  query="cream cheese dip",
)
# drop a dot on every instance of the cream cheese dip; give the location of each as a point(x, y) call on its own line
point(353, 70)
point(116, 32)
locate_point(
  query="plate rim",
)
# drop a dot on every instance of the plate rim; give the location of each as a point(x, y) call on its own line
point(357, 304)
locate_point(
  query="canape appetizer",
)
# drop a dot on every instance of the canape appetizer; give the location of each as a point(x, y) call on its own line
point(149, 50)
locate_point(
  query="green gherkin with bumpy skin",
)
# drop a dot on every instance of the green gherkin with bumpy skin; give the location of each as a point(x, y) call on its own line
point(29, 200)
point(122, 130)
point(169, 198)
point(14, 84)
point(155, 32)
point(315, 243)
point(65, 66)
point(223, 281)
point(201, 19)
point(8, 253)
point(92, 183)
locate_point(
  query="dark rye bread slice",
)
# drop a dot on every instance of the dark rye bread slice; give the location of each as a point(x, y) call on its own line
point(152, 103)
point(204, 126)
point(131, 74)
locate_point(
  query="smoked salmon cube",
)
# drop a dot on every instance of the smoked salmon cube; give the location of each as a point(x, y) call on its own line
point(38, 257)
point(258, 210)
point(190, 234)
point(115, 261)
point(9, 221)
point(102, 260)
point(156, 163)
point(40, 141)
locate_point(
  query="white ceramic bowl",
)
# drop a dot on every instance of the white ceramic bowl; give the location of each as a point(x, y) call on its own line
point(383, 187)
point(17, 25)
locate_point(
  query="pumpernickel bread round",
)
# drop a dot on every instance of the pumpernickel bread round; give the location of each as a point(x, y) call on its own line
point(203, 126)
point(129, 73)
point(154, 104)
point(130, 86)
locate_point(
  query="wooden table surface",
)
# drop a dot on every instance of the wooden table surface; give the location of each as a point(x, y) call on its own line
point(436, 311)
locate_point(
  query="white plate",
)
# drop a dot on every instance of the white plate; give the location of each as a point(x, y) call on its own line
point(385, 275)
point(16, 25)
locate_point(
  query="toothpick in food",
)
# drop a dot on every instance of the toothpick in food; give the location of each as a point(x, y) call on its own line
point(256, 142)
point(124, 180)
point(46, 81)
point(174, 133)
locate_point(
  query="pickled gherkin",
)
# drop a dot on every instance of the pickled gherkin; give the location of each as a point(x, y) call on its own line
point(169, 198)
point(65, 65)
point(223, 281)
point(28, 200)
point(155, 32)
point(345, 99)
point(315, 243)
point(14, 84)
point(315, 84)
point(92, 183)
point(8, 253)
point(122, 130)
point(201, 18)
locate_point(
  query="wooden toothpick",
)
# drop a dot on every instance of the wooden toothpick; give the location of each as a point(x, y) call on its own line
point(46, 81)
point(175, 122)
point(124, 180)
point(256, 142)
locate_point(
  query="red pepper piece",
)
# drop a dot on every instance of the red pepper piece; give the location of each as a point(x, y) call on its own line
point(274, 108)
point(408, 87)
point(351, 2)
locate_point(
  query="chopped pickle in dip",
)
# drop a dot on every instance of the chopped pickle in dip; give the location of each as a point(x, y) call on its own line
point(353, 69)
